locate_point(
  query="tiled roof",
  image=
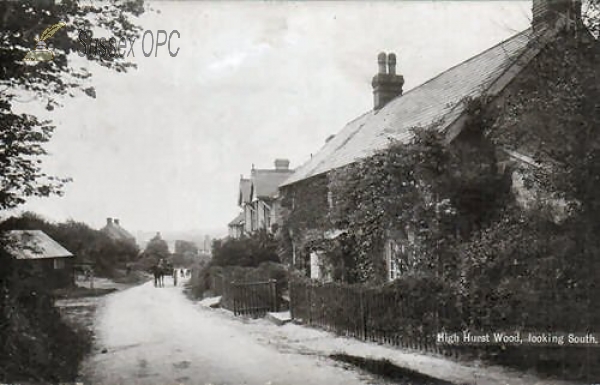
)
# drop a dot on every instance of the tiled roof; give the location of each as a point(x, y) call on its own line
point(35, 244)
point(435, 101)
point(244, 195)
point(238, 221)
point(265, 183)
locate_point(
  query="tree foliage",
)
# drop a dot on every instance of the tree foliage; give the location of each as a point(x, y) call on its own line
point(87, 244)
point(433, 193)
point(22, 136)
point(38, 345)
point(536, 270)
point(249, 251)
point(157, 248)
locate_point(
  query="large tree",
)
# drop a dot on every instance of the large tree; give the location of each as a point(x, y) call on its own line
point(37, 345)
point(22, 136)
point(157, 248)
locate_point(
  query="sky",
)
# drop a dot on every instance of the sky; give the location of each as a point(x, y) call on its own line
point(162, 147)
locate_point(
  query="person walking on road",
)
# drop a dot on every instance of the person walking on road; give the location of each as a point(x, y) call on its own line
point(175, 271)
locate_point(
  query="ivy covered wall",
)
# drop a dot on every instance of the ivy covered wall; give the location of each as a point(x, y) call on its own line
point(305, 218)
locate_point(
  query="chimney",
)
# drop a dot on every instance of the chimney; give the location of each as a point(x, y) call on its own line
point(550, 14)
point(387, 85)
point(117, 222)
point(282, 164)
point(109, 221)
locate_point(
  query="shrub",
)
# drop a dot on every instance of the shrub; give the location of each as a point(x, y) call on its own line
point(201, 282)
point(37, 344)
point(246, 251)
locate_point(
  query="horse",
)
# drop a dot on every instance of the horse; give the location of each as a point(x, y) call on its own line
point(159, 276)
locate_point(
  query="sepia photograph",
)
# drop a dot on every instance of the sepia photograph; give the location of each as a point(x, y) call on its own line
point(287, 192)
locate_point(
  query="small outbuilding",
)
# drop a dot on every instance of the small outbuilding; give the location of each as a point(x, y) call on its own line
point(35, 251)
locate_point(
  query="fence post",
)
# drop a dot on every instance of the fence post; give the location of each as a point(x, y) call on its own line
point(273, 287)
point(309, 296)
point(363, 315)
point(291, 296)
point(232, 295)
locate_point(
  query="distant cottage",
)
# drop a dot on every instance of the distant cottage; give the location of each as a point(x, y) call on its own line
point(258, 199)
point(36, 252)
point(114, 230)
point(236, 226)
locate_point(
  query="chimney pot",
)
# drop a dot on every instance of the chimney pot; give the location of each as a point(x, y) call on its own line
point(392, 64)
point(381, 61)
point(386, 86)
point(109, 221)
point(282, 164)
point(117, 222)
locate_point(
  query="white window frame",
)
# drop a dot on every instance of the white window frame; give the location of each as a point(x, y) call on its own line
point(330, 199)
point(315, 265)
point(396, 253)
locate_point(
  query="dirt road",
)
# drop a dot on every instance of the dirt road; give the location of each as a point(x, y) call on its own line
point(157, 336)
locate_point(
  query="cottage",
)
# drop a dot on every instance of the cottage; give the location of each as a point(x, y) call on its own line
point(114, 230)
point(35, 251)
point(492, 74)
point(259, 197)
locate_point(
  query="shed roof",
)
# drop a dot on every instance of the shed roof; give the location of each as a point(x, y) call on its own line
point(438, 100)
point(35, 244)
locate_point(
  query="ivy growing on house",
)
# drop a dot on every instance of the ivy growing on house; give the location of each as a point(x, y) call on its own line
point(435, 192)
point(304, 211)
point(527, 266)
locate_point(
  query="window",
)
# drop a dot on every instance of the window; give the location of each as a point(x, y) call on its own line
point(393, 263)
point(394, 270)
point(315, 265)
point(254, 219)
point(267, 218)
point(59, 263)
point(397, 258)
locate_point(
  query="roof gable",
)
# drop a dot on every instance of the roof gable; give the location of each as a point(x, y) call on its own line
point(244, 193)
point(265, 183)
point(116, 232)
point(438, 100)
point(237, 221)
point(35, 244)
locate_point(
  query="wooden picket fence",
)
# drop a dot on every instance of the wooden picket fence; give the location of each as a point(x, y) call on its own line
point(383, 316)
point(255, 299)
point(252, 299)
